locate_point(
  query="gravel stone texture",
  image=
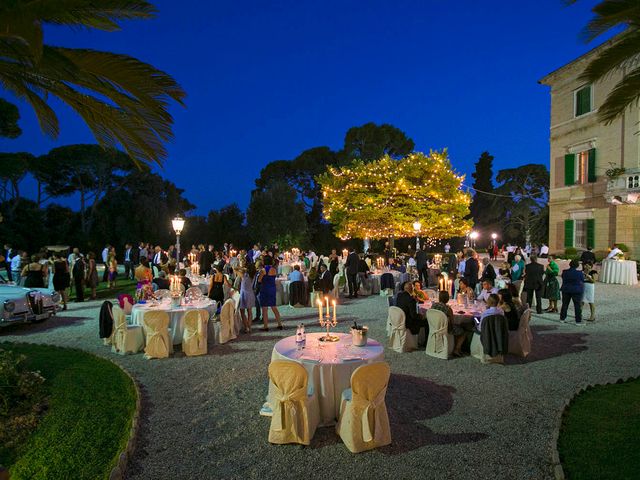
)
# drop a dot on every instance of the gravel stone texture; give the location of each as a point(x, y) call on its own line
point(455, 419)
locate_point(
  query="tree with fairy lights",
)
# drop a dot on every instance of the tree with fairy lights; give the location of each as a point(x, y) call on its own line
point(386, 197)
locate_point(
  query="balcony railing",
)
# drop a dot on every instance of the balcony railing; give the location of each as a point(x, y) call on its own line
point(625, 188)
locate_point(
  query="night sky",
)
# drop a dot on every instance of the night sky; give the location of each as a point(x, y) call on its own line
point(267, 82)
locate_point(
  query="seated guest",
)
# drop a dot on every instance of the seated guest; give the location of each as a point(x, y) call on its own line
point(515, 295)
point(324, 280)
point(488, 272)
point(142, 273)
point(456, 330)
point(487, 289)
point(418, 293)
point(505, 271)
point(509, 308)
point(184, 280)
point(492, 309)
point(405, 301)
point(296, 274)
point(161, 281)
point(465, 289)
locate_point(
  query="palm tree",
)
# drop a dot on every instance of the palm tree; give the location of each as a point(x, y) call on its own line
point(121, 99)
point(622, 56)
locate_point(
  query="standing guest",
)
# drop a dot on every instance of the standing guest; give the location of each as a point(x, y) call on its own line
point(517, 270)
point(128, 261)
point(216, 284)
point(159, 259)
point(421, 265)
point(588, 256)
point(572, 290)
point(143, 251)
point(324, 281)
point(333, 264)
point(206, 260)
point(143, 273)
point(488, 272)
point(172, 253)
point(267, 279)
point(256, 290)
point(78, 271)
point(113, 268)
point(353, 261)
point(8, 256)
point(61, 278)
point(471, 269)
point(462, 264)
point(590, 277)
point(295, 275)
point(533, 282)
point(447, 248)
point(247, 297)
point(34, 273)
point(105, 262)
point(494, 250)
point(15, 263)
point(456, 330)
point(92, 275)
point(551, 289)
point(407, 303)
point(515, 297)
point(544, 250)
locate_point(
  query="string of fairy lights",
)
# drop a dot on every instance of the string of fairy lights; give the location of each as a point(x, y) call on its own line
point(386, 197)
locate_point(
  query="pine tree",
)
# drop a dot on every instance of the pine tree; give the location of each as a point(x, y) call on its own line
point(482, 211)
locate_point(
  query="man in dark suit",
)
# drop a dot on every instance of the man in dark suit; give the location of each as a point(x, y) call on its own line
point(159, 258)
point(588, 256)
point(407, 302)
point(471, 269)
point(206, 260)
point(353, 261)
point(421, 265)
point(128, 261)
point(533, 282)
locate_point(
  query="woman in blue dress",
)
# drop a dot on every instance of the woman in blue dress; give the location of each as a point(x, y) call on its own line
point(247, 297)
point(267, 295)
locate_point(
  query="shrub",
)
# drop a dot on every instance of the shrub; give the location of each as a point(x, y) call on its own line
point(623, 247)
point(21, 400)
point(600, 255)
point(570, 252)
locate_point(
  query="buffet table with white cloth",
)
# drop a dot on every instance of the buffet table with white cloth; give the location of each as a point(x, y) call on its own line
point(622, 272)
point(176, 314)
point(329, 366)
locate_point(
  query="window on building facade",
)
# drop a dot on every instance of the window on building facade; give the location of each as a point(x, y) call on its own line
point(580, 168)
point(579, 233)
point(582, 100)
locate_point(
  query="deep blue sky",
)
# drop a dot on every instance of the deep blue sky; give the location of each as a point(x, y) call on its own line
point(267, 82)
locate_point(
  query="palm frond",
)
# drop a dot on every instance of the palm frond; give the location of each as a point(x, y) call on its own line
point(624, 94)
point(623, 54)
point(610, 14)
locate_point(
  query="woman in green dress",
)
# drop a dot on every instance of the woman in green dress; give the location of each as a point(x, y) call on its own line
point(551, 285)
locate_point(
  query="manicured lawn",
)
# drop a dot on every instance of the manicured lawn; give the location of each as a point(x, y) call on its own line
point(91, 406)
point(600, 437)
point(103, 292)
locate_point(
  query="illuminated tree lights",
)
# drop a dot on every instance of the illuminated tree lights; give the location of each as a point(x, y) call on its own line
point(384, 198)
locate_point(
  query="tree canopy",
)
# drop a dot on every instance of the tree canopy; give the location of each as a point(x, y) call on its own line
point(122, 100)
point(385, 197)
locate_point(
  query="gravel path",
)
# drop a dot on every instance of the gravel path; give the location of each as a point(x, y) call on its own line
point(453, 419)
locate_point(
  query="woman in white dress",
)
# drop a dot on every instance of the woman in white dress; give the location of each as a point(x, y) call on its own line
point(247, 296)
point(590, 277)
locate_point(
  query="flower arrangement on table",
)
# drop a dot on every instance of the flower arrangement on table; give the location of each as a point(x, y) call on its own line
point(144, 292)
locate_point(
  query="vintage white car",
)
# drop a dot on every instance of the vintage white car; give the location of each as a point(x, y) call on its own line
point(21, 305)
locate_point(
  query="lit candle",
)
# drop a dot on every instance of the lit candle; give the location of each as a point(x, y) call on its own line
point(327, 299)
point(334, 310)
point(319, 302)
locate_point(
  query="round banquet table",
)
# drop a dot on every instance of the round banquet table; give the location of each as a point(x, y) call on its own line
point(176, 315)
point(329, 366)
point(622, 272)
point(462, 315)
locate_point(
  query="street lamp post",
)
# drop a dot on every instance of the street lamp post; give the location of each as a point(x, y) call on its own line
point(178, 225)
point(416, 227)
point(474, 236)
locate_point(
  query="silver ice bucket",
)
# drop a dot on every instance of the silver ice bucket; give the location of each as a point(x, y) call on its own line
point(359, 337)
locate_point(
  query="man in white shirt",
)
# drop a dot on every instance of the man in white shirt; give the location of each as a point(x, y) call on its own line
point(614, 251)
point(544, 251)
point(492, 309)
point(15, 268)
point(487, 289)
point(105, 257)
point(447, 248)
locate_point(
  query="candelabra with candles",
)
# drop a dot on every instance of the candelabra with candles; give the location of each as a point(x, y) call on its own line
point(327, 321)
point(177, 290)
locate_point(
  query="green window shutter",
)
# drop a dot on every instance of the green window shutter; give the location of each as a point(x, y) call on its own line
point(591, 232)
point(591, 169)
point(570, 169)
point(568, 233)
point(583, 101)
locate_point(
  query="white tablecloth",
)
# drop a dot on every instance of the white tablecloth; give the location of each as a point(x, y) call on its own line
point(329, 366)
point(176, 315)
point(622, 272)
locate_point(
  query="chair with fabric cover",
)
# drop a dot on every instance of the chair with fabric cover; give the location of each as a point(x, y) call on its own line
point(365, 284)
point(387, 284)
point(126, 338)
point(227, 322)
point(194, 338)
point(121, 301)
point(237, 318)
point(364, 422)
point(156, 329)
point(440, 342)
point(400, 337)
point(368, 262)
point(520, 340)
point(298, 294)
point(492, 343)
point(431, 294)
point(195, 293)
point(336, 286)
point(105, 322)
point(127, 306)
point(296, 412)
point(162, 293)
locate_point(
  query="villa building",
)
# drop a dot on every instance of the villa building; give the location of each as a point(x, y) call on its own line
point(590, 203)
